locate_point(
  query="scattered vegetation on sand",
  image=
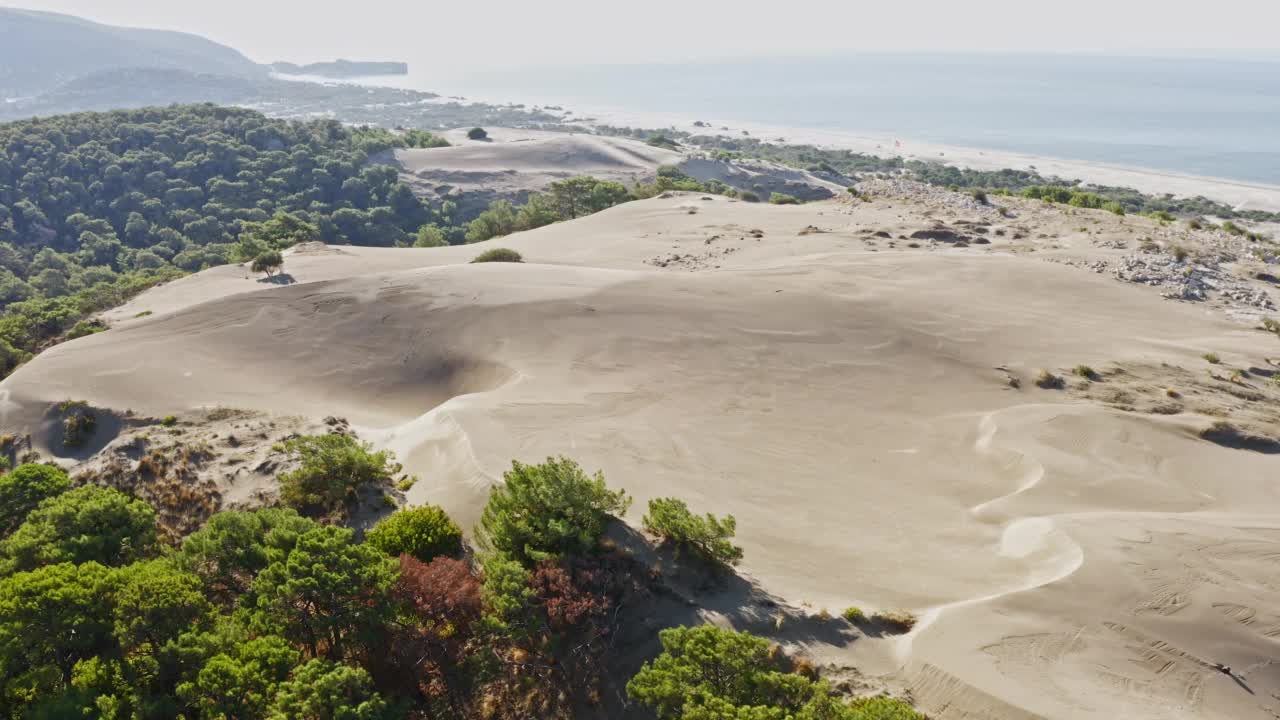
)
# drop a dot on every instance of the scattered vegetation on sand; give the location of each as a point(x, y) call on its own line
point(662, 141)
point(498, 255)
point(477, 133)
point(1086, 372)
point(425, 532)
point(331, 471)
point(712, 537)
point(854, 615)
point(1211, 358)
point(1230, 435)
point(1048, 381)
point(896, 620)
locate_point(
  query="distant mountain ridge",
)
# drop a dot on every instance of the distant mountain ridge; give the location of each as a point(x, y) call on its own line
point(40, 51)
point(342, 68)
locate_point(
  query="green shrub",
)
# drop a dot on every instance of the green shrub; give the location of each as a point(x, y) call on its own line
point(498, 255)
point(1162, 216)
point(86, 524)
point(1114, 208)
point(268, 262)
point(1211, 358)
point(1271, 325)
point(326, 690)
point(430, 236)
point(169, 420)
point(424, 532)
point(1085, 372)
point(783, 199)
point(1232, 228)
point(708, 672)
point(671, 520)
point(86, 327)
point(854, 615)
point(23, 488)
point(477, 133)
point(980, 195)
point(1195, 224)
point(748, 196)
point(1179, 253)
point(542, 511)
point(662, 141)
point(332, 469)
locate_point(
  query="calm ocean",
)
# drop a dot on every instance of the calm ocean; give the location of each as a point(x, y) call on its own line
point(1200, 116)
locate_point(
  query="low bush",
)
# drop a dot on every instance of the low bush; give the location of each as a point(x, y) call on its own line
point(783, 199)
point(980, 195)
point(331, 470)
point(671, 520)
point(542, 511)
point(268, 263)
point(1114, 208)
point(78, 424)
point(498, 255)
point(1049, 381)
point(1211, 358)
point(425, 532)
point(748, 196)
point(897, 620)
point(1085, 372)
point(477, 133)
point(1232, 228)
point(854, 615)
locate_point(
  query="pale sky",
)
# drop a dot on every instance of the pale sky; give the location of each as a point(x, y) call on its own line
point(493, 33)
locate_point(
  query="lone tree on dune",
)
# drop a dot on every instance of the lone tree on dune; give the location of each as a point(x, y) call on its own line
point(268, 262)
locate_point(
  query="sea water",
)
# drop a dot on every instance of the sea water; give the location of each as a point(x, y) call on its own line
point(1201, 116)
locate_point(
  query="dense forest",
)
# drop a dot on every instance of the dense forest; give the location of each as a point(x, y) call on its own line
point(282, 613)
point(97, 206)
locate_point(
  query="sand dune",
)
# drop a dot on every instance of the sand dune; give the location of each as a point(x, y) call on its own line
point(846, 396)
point(510, 164)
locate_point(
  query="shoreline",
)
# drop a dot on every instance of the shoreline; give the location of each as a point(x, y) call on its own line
point(1240, 194)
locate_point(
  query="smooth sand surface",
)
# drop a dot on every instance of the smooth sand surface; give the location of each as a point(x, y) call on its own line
point(839, 396)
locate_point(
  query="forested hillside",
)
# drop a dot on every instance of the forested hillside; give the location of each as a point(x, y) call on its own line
point(96, 206)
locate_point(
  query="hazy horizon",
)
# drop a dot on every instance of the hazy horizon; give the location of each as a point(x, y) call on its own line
point(574, 31)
